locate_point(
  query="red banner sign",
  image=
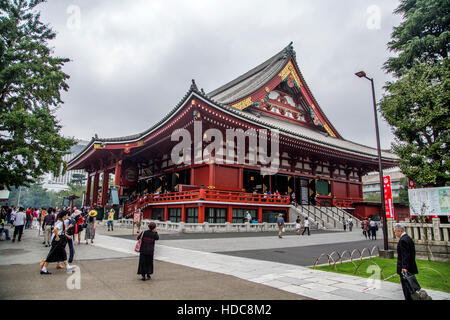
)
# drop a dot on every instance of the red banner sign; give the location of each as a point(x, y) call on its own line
point(388, 203)
point(411, 184)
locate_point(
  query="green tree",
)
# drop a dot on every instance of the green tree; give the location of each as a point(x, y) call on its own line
point(423, 35)
point(416, 104)
point(403, 197)
point(30, 83)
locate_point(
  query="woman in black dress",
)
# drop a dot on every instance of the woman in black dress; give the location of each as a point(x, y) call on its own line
point(58, 251)
point(146, 251)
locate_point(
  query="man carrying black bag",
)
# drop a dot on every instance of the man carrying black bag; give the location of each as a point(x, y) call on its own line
point(406, 258)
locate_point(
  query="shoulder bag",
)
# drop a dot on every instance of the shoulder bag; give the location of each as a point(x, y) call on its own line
point(137, 247)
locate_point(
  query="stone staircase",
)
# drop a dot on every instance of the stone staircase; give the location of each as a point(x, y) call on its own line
point(329, 218)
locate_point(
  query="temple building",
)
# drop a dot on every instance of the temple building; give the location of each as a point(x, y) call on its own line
point(244, 147)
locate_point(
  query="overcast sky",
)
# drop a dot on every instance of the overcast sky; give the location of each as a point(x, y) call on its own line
point(132, 61)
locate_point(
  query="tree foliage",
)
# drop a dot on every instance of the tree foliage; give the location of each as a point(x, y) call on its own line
point(423, 35)
point(31, 80)
point(416, 105)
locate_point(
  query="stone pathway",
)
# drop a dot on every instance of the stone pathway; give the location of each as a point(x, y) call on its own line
point(299, 280)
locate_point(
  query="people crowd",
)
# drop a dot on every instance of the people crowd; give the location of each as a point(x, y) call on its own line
point(59, 227)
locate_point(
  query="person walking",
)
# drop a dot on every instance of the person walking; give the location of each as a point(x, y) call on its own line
point(3, 228)
point(373, 229)
point(406, 257)
point(90, 227)
point(147, 249)
point(365, 228)
point(350, 224)
point(249, 217)
point(70, 226)
point(28, 218)
point(306, 224)
point(47, 226)
point(344, 223)
point(298, 225)
point(137, 219)
point(19, 223)
point(280, 223)
point(57, 252)
point(110, 222)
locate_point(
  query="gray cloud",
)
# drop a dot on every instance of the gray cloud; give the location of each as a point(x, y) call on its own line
point(132, 61)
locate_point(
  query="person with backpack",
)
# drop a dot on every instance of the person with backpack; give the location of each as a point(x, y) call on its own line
point(350, 224)
point(70, 225)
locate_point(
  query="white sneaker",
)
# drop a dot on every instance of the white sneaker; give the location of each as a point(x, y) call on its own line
point(70, 269)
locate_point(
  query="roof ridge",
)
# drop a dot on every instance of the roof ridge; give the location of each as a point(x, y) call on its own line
point(284, 54)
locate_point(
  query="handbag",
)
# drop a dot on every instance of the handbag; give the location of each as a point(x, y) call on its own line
point(411, 282)
point(137, 247)
point(283, 229)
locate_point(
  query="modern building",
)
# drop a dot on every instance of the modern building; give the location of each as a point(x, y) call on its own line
point(4, 195)
point(371, 182)
point(59, 183)
point(208, 159)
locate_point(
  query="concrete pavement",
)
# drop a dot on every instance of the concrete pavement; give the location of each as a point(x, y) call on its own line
point(195, 257)
point(291, 278)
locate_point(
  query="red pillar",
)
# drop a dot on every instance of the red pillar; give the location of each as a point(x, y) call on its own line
point(241, 179)
point(166, 213)
point(212, 176)
point(230, 214)
point(192, 180)
point(105, 188)
point(183, 213)
point(201, 214)
point(118, 173)
point(87, 199)
point(260, 215)
point(95, 195)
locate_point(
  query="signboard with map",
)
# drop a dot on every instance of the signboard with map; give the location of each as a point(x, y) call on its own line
point(429, 201)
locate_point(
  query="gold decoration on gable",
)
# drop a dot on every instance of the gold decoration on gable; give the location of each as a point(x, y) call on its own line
point(290, 69)
point(329, 130)
point(98, 146)
point(243, 104)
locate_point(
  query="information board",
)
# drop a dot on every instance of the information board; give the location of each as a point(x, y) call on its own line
point(429, 201)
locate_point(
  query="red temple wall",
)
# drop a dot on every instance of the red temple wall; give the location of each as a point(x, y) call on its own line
point(355, 190)
point(201, 176)
point(226, 178)
point(339, 189)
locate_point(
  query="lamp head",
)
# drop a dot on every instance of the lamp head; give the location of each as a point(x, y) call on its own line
point(360, 74)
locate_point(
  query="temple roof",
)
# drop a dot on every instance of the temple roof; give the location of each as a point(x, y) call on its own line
point(243, 86)
point(252, 80)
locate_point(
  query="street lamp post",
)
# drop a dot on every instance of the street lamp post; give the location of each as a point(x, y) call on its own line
point(362, 74)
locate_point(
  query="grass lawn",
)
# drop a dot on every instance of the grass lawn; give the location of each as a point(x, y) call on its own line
point(433, 275)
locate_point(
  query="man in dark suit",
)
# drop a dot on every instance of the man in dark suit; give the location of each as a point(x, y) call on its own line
point(406, 257)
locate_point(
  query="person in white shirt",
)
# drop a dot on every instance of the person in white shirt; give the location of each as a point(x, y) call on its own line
point(19, 222)
point(306, 224)
point(58, 251)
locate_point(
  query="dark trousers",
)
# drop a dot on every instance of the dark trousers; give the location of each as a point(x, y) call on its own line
point(405, 289)
point(373, 233)
point(28, 223)
point(305, 230)
point(18, 230)
point(71, 249)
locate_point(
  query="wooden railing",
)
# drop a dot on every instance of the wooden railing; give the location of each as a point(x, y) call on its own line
point(205, 195)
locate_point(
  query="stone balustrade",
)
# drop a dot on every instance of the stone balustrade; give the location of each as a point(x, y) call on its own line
point(208, 227)
point(431, 239)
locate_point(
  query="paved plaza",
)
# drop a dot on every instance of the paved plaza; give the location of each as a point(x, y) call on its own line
point(195, 267)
